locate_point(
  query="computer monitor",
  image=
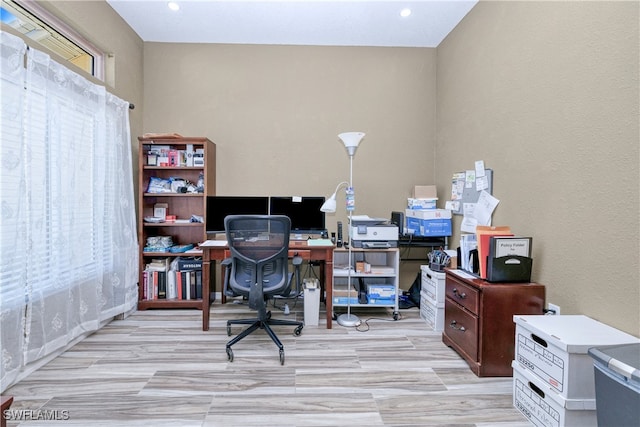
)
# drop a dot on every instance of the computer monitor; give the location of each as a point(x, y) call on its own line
point(218, 207)
point(304, 212)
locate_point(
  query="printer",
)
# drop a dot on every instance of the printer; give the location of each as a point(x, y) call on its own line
point(372, 233)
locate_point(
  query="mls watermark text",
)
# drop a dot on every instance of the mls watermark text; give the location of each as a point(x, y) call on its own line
point(36, 414)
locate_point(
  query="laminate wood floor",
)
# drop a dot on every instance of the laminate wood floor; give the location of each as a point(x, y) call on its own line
point(158, 368)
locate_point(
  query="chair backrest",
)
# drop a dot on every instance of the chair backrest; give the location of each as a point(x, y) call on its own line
point(259, 247)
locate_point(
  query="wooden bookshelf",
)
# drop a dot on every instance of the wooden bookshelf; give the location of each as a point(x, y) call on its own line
point(167, 162)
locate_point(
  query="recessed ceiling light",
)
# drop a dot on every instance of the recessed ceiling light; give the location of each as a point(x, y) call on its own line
point(405, 12)
point(173, 5)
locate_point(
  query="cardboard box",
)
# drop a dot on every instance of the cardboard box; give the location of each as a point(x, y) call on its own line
point(381, 291)
point(363, 267)
point(160, 210)
point(429, 227)
point(343, 291)
point(424, 192)
point(428, 213)
point(432, 314)
point(432, 284)
point(421, 204)
point(549, 409)
point(555, 349)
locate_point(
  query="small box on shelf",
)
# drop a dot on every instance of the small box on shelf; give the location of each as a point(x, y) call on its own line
point(160, 210)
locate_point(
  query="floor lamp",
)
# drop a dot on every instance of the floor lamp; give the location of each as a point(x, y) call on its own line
point(350, 141)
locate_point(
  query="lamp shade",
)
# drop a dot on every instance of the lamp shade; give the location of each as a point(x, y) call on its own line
point(351, 141)
point(329, 206)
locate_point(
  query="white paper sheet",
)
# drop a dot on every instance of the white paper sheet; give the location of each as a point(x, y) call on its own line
point(485, 207)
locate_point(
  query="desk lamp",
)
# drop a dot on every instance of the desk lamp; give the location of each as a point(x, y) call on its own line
point(350, 141)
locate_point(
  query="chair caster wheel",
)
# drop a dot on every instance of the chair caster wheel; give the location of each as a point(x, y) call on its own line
point(281, 357)
point(298, 331)
point(230, 354)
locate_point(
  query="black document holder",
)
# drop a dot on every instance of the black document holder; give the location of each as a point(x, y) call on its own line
point(511, 268)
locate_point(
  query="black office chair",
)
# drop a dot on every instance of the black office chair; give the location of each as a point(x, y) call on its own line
point(258, 269)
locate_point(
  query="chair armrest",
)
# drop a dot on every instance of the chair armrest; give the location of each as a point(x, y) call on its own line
point(226, 264)
point(297, 262)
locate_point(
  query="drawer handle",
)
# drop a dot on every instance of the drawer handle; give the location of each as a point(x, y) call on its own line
point(453, 325)
point(458, 294)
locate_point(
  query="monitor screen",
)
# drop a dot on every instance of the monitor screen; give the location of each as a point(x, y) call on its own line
point(304, 212)
point(218, 207)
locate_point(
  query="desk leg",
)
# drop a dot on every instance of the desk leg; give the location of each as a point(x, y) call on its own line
point(206, 293)
point(223, 297)
point(328, 281)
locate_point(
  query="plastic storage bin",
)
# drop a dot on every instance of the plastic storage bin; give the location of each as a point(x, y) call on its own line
point(617, 379)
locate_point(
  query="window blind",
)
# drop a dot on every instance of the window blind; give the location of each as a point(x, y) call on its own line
point(68, 231)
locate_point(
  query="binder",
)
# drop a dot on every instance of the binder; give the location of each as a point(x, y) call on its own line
point(509, 259)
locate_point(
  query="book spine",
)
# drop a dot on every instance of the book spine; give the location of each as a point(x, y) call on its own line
point(179, 284)
point(187, 285)
point(192, 274)
point(162, 285)
point(183, 274)
point(198, 284)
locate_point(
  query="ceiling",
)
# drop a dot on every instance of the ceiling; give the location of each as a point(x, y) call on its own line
point(295, 22)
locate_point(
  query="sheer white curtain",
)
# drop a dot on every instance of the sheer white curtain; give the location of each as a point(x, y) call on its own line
point(67, 225)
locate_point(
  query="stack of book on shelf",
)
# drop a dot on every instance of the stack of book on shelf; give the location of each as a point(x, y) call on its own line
point(179, 279)
point(188, 278)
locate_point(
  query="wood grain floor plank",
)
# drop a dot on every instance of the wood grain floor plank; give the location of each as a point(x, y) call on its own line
point(157, 367)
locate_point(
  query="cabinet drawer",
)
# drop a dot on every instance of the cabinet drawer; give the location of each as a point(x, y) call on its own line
point(463, 294)
point(461, 327)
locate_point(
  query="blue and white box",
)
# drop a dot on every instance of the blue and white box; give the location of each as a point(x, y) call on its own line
point(429, 227)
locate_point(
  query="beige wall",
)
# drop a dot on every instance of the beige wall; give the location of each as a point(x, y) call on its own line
point(546, 93)
point(274, 113)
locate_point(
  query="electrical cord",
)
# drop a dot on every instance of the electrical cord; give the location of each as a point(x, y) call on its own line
point(360, 328)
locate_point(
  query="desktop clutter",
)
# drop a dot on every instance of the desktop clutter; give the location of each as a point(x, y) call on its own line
point(495, 254)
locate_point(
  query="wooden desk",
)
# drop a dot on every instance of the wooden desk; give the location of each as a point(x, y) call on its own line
point(212, 252)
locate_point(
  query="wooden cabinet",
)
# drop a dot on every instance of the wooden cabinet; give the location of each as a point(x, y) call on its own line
point(177, 174)
point(374, 272)
point(478, 320)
